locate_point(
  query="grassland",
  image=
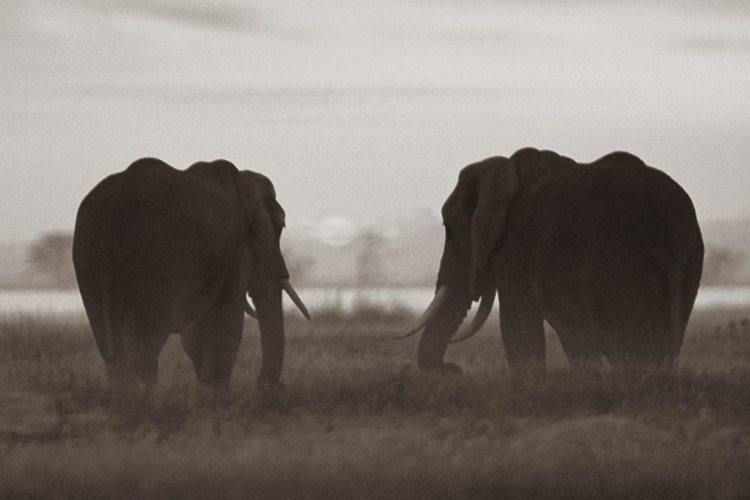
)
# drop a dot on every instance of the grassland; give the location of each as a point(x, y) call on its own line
point(357, 421)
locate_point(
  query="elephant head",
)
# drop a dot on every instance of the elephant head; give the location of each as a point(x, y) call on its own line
point(474, 216)
point(263, 220)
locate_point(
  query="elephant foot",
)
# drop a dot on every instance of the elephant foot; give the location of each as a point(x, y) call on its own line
point(272, 394)
point(528, 374)
point(444, 368)
point(130, 405)
point(269, 386)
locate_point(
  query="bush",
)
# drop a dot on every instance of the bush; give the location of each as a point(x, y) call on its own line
point(363, 311)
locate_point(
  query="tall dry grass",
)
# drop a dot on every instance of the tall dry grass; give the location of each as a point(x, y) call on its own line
point(356, 420)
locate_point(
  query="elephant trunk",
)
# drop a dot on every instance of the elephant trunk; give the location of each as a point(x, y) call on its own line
point(440, 328)
point(271, 325)
point(437, 303)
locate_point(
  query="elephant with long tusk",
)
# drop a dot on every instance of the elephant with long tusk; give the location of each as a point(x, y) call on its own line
point(158, 250)
point(287, 286)
point(609, 253)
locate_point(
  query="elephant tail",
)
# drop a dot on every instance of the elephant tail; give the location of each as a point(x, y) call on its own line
point(670, 311)
point(672, 255)
point(111, 232)
point(675, 301)
point(107, 317)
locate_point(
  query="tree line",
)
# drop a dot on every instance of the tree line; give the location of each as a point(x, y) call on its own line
point(50, 256)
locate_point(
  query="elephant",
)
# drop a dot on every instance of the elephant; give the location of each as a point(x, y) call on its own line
point(158, 250)
point(609, 253)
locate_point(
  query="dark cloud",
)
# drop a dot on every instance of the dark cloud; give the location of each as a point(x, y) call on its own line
point(213, 15)
point(299, 95)
point(716, 43)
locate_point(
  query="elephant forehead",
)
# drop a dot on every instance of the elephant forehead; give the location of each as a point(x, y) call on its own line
point(451, 210)
point(257, 179)
point(260, 185)
point(448, 205)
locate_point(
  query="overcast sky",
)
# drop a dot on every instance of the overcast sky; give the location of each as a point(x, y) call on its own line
point(365, 109)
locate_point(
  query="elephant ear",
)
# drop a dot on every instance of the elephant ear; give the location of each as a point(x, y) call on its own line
point(249, 191)
point(264, 219)
point(496, 185)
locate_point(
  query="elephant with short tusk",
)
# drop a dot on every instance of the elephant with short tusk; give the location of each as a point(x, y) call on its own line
point(609, 253)
point(158, 250)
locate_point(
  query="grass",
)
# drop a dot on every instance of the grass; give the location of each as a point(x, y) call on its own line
point(357, 421)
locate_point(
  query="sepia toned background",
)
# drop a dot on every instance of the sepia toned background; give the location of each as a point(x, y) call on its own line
point(363, 113)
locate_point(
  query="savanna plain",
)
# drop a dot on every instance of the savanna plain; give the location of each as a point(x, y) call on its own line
point(357, 420)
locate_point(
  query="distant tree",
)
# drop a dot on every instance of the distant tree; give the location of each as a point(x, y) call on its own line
point(722, 266)
point(370, 259)
point(51, 255)
point(298, 265)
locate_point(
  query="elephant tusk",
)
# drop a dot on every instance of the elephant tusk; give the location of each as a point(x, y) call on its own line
point(485, 307)
point(249, 309)
point(430, 312)
point(295, 298)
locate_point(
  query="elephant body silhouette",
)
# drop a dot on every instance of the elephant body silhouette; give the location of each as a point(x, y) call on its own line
point(609, 253)
point(158, 250)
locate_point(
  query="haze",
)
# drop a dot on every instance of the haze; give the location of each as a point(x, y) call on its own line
point(365, 111)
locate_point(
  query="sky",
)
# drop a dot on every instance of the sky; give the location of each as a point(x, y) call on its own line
point(364, 111)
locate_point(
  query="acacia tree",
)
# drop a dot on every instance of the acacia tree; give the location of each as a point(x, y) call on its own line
point(722, 266)
point(51, 255)
point(370, 259)
point(299, 265)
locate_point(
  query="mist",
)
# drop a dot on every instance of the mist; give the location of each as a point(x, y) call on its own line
point(365, 111)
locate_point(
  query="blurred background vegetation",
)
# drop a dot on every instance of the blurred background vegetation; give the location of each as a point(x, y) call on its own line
point(404, 253)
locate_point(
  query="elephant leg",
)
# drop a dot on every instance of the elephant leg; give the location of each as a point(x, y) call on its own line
point(118, 372)
point(638, 353)
point(192, 344)
point(522, 327)
point(95, 315)
point(115, 361)
point(111, 352)
point(581, 355)
point(226, 345)
point(273, 341)
point(213, 342)
point(142, 345)
point(147, 368)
